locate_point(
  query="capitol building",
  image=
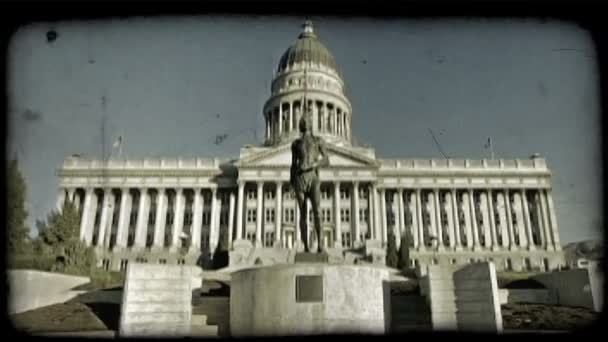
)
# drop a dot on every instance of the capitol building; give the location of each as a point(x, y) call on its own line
point(187, 211)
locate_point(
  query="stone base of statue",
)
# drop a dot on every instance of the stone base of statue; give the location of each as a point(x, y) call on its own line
point(309, 298)
point(374, 252)
point(304, 257)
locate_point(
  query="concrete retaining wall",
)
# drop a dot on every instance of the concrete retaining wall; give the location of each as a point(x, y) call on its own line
point(573, 287)
point(157, 300)
point(29, 289)
point(464, 297)
point(353, 299)
point(536, 296)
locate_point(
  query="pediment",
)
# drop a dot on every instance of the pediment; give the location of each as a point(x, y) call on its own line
point(281, 157)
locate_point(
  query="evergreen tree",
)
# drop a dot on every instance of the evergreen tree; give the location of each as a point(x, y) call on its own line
point(404, 251)
point(60, 237)
point(61, 226)
point(17, 229)
point(391, 252)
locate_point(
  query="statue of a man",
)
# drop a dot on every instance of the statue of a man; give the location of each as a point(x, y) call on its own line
point(308, 154)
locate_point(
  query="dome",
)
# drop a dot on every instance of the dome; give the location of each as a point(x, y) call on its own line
point(309, 49)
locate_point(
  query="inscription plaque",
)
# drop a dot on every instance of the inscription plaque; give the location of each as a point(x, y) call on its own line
point(309, 289)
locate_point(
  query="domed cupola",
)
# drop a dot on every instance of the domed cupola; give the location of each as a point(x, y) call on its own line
point(308, 74)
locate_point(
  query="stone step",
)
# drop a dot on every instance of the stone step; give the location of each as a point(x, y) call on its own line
point(158, 317)
point(411, 327)
point(150, 307)
point(204, 331)
point(157, 330)
point(199, 320)
point(158, 284)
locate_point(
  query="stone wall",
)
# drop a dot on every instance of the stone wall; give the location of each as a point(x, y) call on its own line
point(535, 296)
point(29, 289)
point(157, 300)
point(463, 297)
point(264, 301)
point(573, 287)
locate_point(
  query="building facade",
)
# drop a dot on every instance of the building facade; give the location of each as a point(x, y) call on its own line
point(189, 211)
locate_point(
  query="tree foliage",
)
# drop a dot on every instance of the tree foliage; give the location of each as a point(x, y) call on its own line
point(59, 237)
point(17, 229)
point(391, 252)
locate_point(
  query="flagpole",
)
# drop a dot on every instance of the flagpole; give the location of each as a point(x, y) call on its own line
point(491, 148)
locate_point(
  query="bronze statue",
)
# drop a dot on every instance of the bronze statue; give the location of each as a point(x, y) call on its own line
point(308, 153)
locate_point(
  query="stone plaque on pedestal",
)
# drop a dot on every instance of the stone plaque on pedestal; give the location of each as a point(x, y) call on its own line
point(312, 257)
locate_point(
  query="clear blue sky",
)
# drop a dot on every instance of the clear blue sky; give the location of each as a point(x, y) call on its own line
point(170, 85)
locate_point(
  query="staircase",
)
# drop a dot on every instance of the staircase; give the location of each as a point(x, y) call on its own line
point(211, 316)
point(409, 313)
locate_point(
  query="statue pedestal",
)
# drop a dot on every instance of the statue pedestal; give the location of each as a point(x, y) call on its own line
point(311, 258)
point(309, 299)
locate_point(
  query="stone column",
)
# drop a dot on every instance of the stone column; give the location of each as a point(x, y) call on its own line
point(485, 208)
point(337, 216)
point(546, 223)
point(420, 221)
point(214, 228)
point(432, 218)
point(259, 217)
point(492, 220)
point(474, 226)
point(239, 209)
point(371, 217)
point(383, 217)
point(539, 218)
point(197, 220)
point(519, 215)
point(86, 216)
point(552, 216)
point(231, 219)
point(71, 192)
point(528, 223)
point(278, 214)
point(456, 220)
point(103, 222)
point(450, 210)
point(468, 220)
point(161, 219)
point(355, 206)
point(142, 219)
point(395, 211)
point(501, 206)
point(178, 220)
point(401, 217)
point(280, 118)
point(335, 118)
point(414, 218)
point(297, 240)
point(512, 245)
point(438, 223)
point(377, 219)
point(60, 199)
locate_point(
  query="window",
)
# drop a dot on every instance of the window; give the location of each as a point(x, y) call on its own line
point(187, 218)
point(269, 195)
point(325, 193)
point(250, 236)
point(363, 193)
point(345, 215)
point(169, 219)
point(162, 261)
point(206, 217)
point(268, 239)
point(288, 215)
point(224, 218)
point(363, 215)
point(251, 215)
point(326, 215)
point(123, 264)
point(390, 218)
point(181, 261)
point(269, 215)
point(346, 240)
point(344, 194)
point(251, 194)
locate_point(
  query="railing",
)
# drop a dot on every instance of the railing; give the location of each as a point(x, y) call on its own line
point(464, 164)
point(164, 163)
